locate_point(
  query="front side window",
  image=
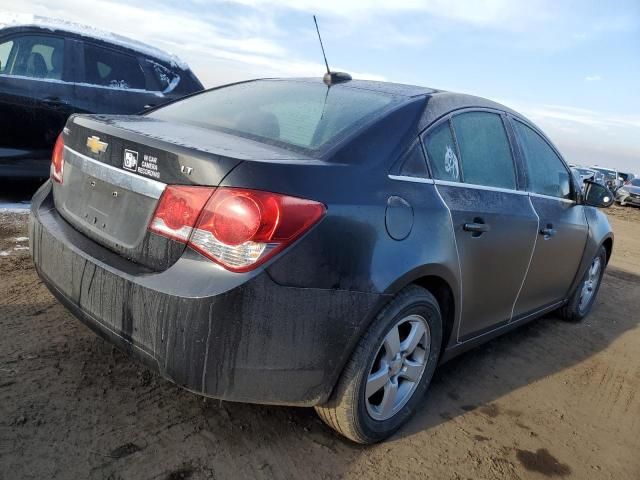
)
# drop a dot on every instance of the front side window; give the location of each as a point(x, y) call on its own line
point(110, 68)
point(485, 153)
point(35, 56)
point(546, 173)
point(441, 150)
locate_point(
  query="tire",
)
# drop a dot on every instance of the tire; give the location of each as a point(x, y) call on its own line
point(364, 420)
point(578, 307)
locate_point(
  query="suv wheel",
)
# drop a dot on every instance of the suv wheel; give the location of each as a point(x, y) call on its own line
point(581, 301)
point(389, 372)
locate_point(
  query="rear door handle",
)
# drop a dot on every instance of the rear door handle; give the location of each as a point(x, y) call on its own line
point(477, 227)
point(55, 102)
point(548, 231)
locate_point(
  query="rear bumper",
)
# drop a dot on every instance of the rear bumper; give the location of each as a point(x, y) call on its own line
point(238, 337)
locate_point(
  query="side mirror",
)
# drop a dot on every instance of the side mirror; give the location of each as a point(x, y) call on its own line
point(597, 195)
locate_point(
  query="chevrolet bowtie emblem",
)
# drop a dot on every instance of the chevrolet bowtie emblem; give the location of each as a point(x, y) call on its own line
point(95, 145)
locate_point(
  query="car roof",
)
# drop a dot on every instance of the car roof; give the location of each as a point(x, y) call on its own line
point(20, 22)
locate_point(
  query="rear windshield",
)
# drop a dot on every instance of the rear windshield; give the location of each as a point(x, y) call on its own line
point(304, 115)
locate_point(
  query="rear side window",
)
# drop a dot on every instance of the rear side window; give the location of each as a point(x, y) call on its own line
point(441, 150)
point(165, 78)
point(546, 173)
point(300, 114)
point(35, 56)
point(110, 68)
point(485, 153)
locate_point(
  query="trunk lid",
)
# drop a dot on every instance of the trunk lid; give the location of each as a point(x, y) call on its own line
point(117, 167)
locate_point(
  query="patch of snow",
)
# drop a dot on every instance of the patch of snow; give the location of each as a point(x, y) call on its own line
point(17, 19)
point(14, 207)
point(21, 248)
point(4, 254)
point(21, 239)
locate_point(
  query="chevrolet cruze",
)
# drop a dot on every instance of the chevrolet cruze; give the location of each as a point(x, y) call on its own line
point(315, 244)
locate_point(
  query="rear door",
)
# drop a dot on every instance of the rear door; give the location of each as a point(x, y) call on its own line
point(34, 94)
point(113, 81)
point(495, 226)
point(563, 227)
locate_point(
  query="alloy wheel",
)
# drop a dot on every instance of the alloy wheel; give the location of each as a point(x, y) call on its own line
point(590, 284)
point(397, 367)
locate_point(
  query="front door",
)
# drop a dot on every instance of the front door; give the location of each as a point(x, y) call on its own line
point(494, 222)
point(562, 231)
point(35, 99)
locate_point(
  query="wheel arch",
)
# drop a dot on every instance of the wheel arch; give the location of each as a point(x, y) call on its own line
point(441, 289)
point(441, 281)
point(608, 246)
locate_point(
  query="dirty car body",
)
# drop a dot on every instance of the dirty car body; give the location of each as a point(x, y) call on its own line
point(396, 201)
point(50, 70)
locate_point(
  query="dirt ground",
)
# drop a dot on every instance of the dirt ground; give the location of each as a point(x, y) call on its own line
point(549, 400)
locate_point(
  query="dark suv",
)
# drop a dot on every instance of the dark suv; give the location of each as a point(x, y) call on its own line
point(282, 241)
point(49, 71)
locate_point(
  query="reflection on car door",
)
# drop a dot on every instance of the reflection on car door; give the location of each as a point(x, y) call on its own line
point(563, 227)
point(113, 82)
point(494, 223)
point(34, 94)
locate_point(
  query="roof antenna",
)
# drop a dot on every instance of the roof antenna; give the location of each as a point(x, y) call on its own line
point(330, 77)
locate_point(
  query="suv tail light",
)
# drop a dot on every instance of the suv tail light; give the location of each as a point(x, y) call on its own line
point(57, 160)
point(237, 228)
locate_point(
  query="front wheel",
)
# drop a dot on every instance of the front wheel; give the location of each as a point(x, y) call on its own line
point(581, 302)
point(389, 372)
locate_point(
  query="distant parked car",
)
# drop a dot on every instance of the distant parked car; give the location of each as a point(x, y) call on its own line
point(611, 177)
point(50, 70)
point(630, 193)
point(626, 177)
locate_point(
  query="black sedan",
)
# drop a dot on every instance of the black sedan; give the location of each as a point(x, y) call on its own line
point(297, 243)
point(50, 70)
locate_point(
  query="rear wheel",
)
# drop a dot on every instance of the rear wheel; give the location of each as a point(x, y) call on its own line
point(389, 372)
point(582, 300)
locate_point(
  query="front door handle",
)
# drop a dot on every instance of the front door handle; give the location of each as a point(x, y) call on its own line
point(477, 227)
point(548, 231)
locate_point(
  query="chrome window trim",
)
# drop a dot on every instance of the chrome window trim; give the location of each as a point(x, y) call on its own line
point(448, 183)
point(115, 176)
point(551, 197)
point(405, 178)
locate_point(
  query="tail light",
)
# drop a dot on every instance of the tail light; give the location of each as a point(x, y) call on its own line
point(57, 160)
point(237, 228)
point(178, 211)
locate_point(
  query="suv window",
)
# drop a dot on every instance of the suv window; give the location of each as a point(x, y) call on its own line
point(111, 68)
point(36, 56)
point(441, 150)
point(546, 173)
point(165, 78)
point(5, 50)
point(485, 153)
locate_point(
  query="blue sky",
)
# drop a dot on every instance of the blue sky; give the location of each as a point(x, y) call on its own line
point(571, 66)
